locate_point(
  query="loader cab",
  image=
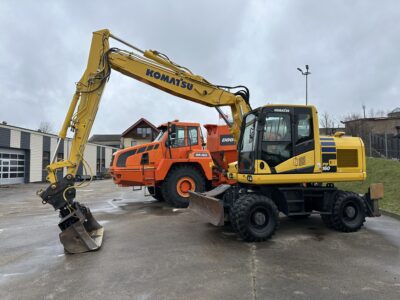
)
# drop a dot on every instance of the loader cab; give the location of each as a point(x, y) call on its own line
point(181, 137)
point(278, 139)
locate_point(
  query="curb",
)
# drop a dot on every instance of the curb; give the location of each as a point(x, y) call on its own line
point(390, 214)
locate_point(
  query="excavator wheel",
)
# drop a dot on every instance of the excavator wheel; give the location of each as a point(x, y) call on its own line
point(232, 217)
point(155, 193)
point(178, 182)
point(348, 214)
point(257, 217)
point(230, 197)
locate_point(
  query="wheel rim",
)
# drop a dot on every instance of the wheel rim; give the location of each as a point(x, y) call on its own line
point(259, 218)
point(184, 185)
point(350, 212)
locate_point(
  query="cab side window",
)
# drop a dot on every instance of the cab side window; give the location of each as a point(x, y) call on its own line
point(180, 140)
point(193, 135)
point(276, 144)
point(304, 128)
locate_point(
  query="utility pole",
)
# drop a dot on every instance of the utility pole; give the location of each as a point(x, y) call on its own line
point(306, 73)
point(364, 109)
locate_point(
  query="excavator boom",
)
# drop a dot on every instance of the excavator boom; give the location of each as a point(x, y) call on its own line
point(80, 232)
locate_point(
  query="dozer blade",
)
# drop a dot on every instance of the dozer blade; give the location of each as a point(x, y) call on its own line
point(207, 206)
point(82, 233)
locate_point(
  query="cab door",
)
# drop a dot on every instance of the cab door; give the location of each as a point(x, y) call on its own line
point(179, 144)
point(247, 144)
point(276, 141)
point(304, 140)
point(287, 143)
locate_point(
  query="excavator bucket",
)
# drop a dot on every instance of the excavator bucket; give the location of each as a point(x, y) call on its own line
point(207, 206)
point(80, 231)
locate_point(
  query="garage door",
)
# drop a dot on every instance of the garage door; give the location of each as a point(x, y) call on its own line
point(12, 166)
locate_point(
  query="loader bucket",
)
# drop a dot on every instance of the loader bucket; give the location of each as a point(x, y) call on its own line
point(207, 206)
point(83, 232)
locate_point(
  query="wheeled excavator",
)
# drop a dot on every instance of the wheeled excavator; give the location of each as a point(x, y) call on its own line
point(283, 164)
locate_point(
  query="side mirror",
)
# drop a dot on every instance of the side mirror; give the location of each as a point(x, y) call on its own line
point(172, 129)
point(171, 140)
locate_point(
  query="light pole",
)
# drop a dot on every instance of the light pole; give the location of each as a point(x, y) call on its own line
point(306, 73)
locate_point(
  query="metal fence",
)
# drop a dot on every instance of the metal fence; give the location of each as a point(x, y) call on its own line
point(383, 145)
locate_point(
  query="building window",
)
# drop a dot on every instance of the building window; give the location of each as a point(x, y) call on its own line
point(98, 165)
point(60, 156)
point(133, 143)
point(45, 159)
point(144, 131)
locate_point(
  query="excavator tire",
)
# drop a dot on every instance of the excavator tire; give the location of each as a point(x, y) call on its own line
point(177, 183)
point(155, 193)
point(257, 217)
point(232, 210)
point(349, 210)
point(232, 217)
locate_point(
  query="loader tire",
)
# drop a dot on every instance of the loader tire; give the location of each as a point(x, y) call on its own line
point(156, 193)
point(178, 181)
point(256, 216)
point(349, 210)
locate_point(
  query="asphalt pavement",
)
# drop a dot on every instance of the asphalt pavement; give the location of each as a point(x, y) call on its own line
point(152, 251)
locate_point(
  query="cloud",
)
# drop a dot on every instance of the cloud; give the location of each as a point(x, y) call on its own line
point(351, 47)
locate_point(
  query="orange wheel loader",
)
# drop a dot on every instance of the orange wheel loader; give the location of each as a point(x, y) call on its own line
point(177, 161)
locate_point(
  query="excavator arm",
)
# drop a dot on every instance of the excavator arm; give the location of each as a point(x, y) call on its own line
point(80, 232)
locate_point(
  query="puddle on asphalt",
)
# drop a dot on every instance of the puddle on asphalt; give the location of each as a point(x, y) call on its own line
point(150, 208)
point(144, 207)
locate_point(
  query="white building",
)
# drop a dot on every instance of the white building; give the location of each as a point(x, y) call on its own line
point(25, 153)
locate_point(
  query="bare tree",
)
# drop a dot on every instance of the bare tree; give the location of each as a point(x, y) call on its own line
point(377, 114)
point(45, 127)
point(326, 123)
point(371, 113)
point(356, 126)
point(380, 113)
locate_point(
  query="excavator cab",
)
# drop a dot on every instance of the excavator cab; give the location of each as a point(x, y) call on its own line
point(274, 140)
point(278, 139)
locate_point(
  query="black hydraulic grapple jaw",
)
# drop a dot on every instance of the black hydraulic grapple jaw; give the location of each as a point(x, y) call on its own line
point(80, 232)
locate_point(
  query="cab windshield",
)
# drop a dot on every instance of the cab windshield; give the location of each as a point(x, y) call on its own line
point(160, 135)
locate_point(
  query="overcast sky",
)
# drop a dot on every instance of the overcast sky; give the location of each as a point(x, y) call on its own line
point(352, 47)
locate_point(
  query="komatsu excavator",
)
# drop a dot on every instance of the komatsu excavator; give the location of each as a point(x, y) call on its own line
point(283, 163)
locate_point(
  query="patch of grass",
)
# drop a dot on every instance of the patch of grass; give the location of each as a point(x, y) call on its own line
point(380, 171)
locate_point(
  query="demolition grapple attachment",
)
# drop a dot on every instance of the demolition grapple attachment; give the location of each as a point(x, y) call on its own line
point(80, 232)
